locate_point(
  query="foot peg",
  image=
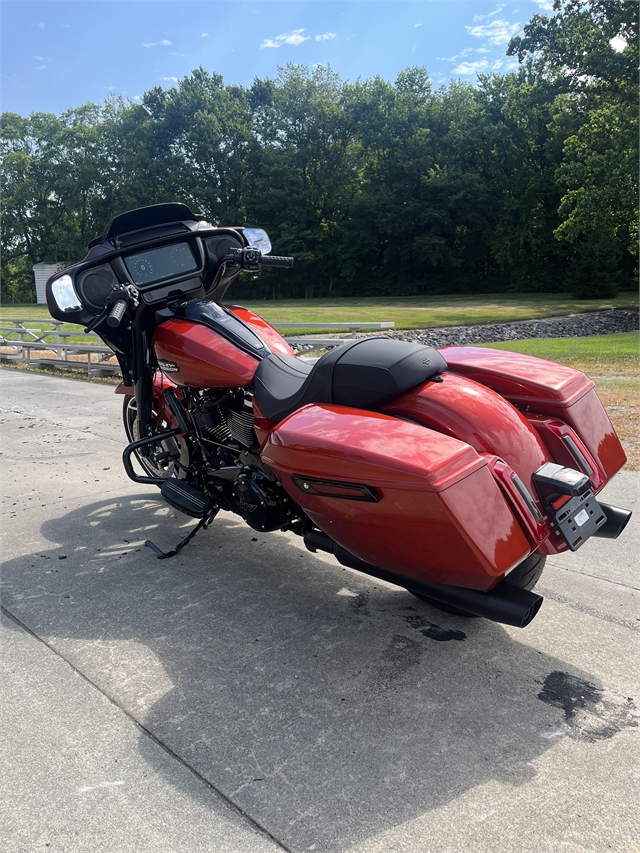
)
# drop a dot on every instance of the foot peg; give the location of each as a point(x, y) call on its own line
point(186, 498)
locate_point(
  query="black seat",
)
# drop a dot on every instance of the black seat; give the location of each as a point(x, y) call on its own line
point(364, 374)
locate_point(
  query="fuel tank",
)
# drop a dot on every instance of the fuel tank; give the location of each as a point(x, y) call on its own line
point(195, 355)
point(269, 335)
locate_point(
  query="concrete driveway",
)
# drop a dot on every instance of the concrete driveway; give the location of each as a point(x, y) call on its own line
point(248, 695)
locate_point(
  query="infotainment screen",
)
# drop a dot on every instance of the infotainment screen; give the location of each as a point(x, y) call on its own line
point(160, 264)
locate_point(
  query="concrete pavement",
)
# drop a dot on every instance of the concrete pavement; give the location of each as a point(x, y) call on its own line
point(249, 695)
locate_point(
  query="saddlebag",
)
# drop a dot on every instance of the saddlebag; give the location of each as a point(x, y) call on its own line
point(397, 494)
point(559, 402)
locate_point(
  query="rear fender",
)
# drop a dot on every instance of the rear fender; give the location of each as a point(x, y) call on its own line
point(478, 416)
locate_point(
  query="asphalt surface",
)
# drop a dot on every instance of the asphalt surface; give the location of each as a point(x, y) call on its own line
point(248, 695)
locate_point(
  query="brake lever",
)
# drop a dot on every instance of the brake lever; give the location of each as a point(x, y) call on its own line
point(97, 320)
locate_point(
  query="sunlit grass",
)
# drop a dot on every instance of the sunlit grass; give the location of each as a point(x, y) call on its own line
point(410, 312)
point(601, 355)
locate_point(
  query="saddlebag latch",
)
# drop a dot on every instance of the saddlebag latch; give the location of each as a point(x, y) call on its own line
point(568, 500)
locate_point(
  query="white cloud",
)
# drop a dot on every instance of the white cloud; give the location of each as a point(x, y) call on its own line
point(497, 31)
point(547, 5)
point(418, 25)
point(326, 37)
point(204, 35)
point(136, 99)
point(164, 43)
point(40, 26)
point(295, 38)
point(39, 67)
point(39, 58)
point(64, 26)
point(466, 69)
point(497, 10)
point(618, 44)
point(458, 56)
point(171, 79)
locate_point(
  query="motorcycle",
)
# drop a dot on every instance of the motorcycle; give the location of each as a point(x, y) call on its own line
point(452, 473)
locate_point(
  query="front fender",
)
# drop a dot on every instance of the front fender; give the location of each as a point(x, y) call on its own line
point(160, 384)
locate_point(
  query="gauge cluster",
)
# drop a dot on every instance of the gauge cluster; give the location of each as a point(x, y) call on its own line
point(156, 265)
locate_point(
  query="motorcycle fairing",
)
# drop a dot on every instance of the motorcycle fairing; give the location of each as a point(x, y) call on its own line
point(456, 526)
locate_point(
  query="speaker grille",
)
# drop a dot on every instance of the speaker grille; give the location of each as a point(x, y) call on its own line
point(95, 286)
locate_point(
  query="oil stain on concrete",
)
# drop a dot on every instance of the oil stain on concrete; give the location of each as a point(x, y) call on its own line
point(591, 713)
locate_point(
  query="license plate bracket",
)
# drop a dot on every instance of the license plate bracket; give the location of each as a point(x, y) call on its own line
point(578, 519)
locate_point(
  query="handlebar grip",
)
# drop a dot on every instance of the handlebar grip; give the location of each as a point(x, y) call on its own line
point(117, 313)
point(275, 261)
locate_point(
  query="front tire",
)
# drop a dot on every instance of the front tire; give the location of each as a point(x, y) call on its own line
point(158, 460)
point(525, 575)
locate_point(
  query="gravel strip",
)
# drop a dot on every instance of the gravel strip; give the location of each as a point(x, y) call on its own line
point(573, 326)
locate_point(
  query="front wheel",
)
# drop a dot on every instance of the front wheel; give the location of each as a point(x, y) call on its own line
point(158, 460)
point(525, 575)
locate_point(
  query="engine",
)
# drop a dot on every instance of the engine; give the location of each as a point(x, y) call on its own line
point(226, 418)
point(262, 503)
point(237, 477)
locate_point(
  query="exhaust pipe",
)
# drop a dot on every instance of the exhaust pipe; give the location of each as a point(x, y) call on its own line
point(505, 603)
point(617, 520)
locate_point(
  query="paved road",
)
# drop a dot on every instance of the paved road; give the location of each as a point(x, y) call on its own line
point(250, 696)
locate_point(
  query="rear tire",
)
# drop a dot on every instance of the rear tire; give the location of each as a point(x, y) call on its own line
point(525, 575)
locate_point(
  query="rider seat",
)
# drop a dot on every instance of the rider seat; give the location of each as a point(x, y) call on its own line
point(364, 374)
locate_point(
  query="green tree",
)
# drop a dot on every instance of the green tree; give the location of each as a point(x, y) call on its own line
point(590, 51)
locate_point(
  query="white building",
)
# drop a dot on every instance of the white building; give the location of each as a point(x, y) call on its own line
point(42, 272)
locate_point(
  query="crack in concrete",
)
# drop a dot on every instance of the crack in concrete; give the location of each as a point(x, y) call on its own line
point(255, 824)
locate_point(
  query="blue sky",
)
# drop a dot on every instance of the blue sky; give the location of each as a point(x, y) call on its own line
point(57, 55)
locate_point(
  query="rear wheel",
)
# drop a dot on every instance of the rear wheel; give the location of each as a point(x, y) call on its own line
point(158, 460)
point(525, 575)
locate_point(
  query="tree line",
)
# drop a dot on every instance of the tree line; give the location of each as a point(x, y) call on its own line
point(526, 181)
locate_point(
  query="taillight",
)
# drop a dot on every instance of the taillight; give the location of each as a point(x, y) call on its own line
point(577, 450)
point(521, 500)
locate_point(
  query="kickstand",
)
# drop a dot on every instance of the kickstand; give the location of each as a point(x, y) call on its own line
point(164, 555)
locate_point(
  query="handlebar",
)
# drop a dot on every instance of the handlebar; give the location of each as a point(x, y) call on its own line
point(117, 313)
point(276, 261)
point(251, 259)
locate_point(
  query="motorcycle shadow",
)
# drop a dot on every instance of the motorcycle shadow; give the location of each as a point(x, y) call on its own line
point(328, 706)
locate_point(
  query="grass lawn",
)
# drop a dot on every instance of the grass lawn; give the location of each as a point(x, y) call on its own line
point(598, 355)
point(410, 312)
point(613, 362)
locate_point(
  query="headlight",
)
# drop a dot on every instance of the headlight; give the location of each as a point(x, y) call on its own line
point(64, 294)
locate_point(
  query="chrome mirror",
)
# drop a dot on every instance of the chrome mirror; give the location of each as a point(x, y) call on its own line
point(258, 239)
